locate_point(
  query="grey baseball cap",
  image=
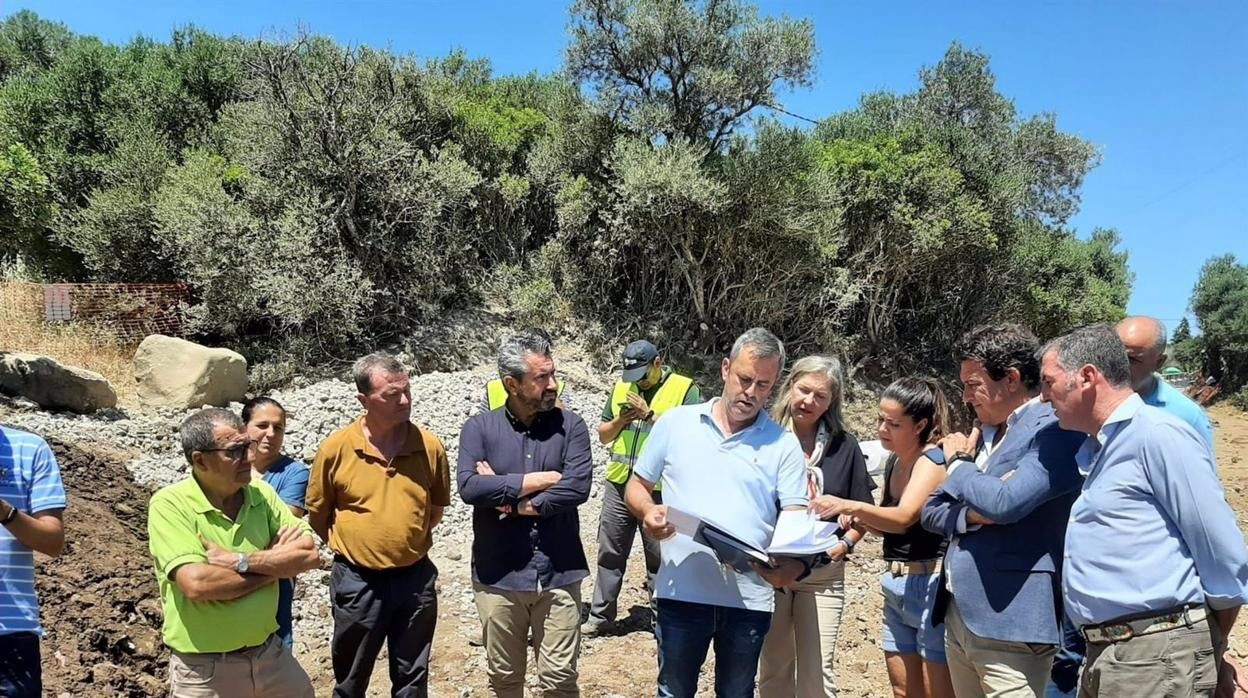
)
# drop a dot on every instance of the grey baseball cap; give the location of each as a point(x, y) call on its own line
point(637, 358)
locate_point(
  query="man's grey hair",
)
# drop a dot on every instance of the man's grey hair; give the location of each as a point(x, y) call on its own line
point(196, 430)
point(761, 344)
point(513, 352)
point(376, 362)
point(1159, 327)
point(1097, 345)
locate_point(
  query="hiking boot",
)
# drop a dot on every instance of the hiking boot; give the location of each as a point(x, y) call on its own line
point(593, 627)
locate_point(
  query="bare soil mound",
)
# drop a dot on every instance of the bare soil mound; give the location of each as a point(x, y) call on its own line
point(101, 607)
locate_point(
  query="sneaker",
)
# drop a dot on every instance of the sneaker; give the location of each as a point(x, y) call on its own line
point(476, 638)
point(593, 627)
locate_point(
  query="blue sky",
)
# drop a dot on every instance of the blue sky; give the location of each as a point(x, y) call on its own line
point(1160, 87)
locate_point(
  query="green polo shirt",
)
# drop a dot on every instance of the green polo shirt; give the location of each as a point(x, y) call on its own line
point(177, 517)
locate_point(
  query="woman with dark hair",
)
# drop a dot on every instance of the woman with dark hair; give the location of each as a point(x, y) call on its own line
point(266, 427)
point(913, 416)
point(800, 648)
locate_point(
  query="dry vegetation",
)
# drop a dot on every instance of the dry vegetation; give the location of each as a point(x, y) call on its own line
point(93, 347)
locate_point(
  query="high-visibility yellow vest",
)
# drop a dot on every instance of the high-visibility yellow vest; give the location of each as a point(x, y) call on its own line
point(497, 394)
point(628, 444)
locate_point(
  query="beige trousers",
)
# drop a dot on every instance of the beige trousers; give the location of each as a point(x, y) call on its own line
point(554, 618)
point(267, 671)
point(799, 652)
point(981, 666)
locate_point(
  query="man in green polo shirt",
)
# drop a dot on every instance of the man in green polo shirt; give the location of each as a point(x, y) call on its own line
point(220, 542)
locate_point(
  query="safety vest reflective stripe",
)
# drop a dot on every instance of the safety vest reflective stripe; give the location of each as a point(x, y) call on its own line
point(628, 445)
point(496, 393)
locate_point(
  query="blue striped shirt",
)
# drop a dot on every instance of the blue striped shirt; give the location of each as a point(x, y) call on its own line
point(30, 481)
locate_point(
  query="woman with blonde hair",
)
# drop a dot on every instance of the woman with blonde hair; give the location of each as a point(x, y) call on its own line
point(914, 415)
point(799, 650)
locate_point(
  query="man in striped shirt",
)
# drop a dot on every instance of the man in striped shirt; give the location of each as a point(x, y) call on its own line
point(31, 501)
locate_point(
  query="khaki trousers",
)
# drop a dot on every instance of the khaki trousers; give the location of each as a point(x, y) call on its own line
point(554, 618)
point(1179, 663)
point(267, 671)
point(799, 652)
point(981, 666)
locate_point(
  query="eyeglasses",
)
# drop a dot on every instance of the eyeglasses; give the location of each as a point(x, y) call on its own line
point(237, 452)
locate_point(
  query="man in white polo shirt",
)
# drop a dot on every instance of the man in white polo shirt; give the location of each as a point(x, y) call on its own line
point(726, 461)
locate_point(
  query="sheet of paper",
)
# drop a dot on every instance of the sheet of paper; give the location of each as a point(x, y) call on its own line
point(802, 533)
point(684, 522)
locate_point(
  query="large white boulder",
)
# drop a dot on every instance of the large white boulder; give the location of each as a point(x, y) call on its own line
point(53, 385)
point(174, 373)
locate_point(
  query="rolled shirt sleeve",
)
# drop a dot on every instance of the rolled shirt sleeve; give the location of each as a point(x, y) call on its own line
point(1184, 479)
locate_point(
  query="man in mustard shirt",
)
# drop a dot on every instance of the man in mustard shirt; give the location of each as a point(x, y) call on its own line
point(220, 542)
point(377, 490)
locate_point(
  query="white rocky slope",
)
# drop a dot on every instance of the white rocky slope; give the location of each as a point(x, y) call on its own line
point(441, 402)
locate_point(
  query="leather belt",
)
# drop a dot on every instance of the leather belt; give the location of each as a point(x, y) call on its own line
point(901, 568)
point(1120, 631)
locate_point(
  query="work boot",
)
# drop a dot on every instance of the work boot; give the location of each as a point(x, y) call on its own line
point(593, 627)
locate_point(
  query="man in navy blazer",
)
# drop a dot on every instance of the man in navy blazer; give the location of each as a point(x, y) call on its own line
point(1004, 505)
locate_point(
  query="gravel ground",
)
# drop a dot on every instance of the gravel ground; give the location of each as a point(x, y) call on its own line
point(621, 663)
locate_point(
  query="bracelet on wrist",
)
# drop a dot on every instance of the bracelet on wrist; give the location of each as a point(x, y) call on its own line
point(8, 518)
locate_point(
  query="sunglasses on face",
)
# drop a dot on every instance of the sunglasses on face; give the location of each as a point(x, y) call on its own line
point(236, 452)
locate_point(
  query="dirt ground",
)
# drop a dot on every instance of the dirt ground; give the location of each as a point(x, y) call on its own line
point(101, 608)
point(102, 614)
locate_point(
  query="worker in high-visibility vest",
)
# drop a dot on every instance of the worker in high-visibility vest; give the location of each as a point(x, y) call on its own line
point(646, 390)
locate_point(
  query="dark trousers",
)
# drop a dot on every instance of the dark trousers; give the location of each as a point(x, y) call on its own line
point(686, 631)
point(398, 606)
point(20, 673)
point(286, 612)
point(1064, 678)
point(616, 529)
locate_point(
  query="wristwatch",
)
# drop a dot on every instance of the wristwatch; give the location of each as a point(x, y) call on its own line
point(849, 546)
point(241, 566)
point(8, 518)
point(963, 455)
point(648, 417)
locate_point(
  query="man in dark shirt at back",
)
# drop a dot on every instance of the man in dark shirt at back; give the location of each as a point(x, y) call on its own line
point(526, 468)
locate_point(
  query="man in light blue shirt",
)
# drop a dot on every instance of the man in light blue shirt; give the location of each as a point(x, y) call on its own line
point(1145, 340)
point(1156, 566)
point(727, 462)
point(31, 501)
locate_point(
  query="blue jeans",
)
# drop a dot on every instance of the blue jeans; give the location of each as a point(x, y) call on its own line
point(685, 632)
point(286, 611)
point(20, 669)
point(1064, 678)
